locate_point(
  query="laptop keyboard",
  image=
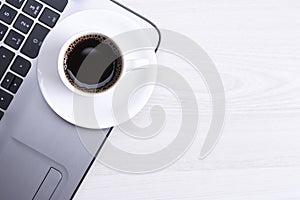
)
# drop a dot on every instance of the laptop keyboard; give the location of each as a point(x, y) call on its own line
point(24, 24)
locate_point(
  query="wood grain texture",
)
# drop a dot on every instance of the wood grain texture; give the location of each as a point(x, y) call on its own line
point(256, 47)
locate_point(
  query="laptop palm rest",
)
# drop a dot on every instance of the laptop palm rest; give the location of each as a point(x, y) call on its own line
point(22, 163)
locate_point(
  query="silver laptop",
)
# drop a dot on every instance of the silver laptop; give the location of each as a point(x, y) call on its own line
point(41, 155)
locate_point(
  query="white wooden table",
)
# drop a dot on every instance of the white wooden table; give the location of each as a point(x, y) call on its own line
point(255, 45)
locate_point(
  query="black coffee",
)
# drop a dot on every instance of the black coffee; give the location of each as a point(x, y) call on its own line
point(93, 63)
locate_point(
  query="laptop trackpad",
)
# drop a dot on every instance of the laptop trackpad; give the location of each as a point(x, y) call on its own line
point(48, 185)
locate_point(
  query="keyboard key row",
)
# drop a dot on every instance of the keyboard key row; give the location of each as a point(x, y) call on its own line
point(21, 66)
point(32, 8)
point(56, 4)
point(14, 38)
point(11, 82)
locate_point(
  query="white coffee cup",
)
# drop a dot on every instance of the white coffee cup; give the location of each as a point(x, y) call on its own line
point(94, 110)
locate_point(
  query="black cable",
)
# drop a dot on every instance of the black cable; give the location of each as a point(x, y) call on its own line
point(145, 19)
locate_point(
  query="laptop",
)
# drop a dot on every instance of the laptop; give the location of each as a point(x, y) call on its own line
point(41, 154)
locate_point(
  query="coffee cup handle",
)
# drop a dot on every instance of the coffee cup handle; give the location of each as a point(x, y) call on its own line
point(136, 64)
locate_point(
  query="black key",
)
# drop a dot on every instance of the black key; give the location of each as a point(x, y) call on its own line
point(1, 114)
point(7, 14)
point(6, 57)
point(32, 8)
point(15, 85)
point(5, 99)
point(23, 23)
point(14, 39)
point(49, 17)
point(21, 66)
point(3, 30)
point(8, 79)
point(35, 40)
point(16, 3)
point(57, 4)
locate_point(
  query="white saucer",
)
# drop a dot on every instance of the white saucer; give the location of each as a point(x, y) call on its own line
point(96, 111)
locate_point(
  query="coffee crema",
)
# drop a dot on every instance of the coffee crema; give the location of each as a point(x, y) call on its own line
point(93, 63)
